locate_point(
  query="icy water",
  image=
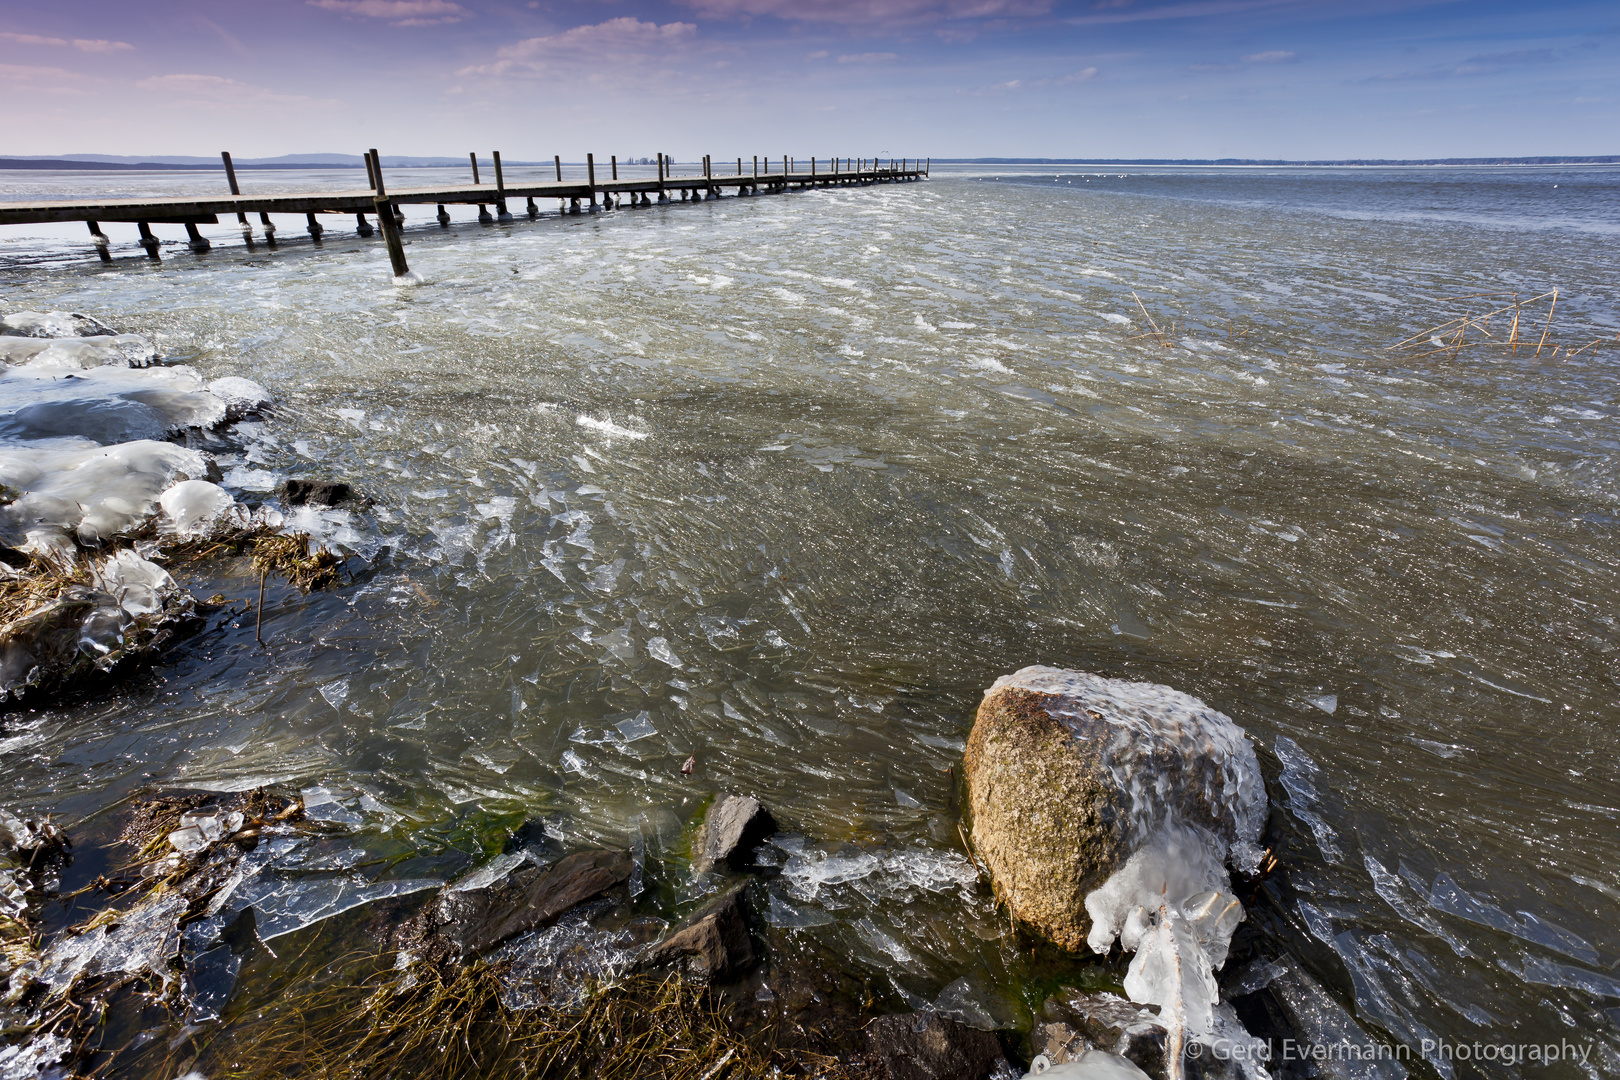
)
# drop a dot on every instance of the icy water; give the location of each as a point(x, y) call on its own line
point(783, 483)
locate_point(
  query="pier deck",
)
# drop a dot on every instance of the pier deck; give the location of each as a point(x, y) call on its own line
point(194, 210)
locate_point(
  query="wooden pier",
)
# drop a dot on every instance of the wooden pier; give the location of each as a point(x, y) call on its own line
point(754, 176)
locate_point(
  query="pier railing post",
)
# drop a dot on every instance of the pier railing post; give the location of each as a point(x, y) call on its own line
point(230, 178)
point(663, 175)
point(385, 218)
point(590, 178)
point(473, 157)
point(500, 188)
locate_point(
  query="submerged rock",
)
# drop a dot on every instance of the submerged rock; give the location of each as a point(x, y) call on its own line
point(735, 825)
point(52, 324)
point(511, 895)
point(927, 1046)
point(712, 944)
point(1069, 774)
point(1073, 1023)
point(296, 492)
point(77, 354)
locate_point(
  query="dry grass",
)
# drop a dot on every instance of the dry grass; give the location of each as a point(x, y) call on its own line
point(450, 1023)
point(289, 556)
point(35, 586)
point(1501, 321)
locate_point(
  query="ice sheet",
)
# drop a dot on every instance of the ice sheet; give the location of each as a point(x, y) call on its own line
point(75, 488)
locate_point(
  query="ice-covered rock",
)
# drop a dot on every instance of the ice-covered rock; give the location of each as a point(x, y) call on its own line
point(77, 354)
point(1108, 811)
point(52, 324)
point(1092, 1065)
point(106, 404)
point(76, 489)
point(1070, 774)
point(195, 508)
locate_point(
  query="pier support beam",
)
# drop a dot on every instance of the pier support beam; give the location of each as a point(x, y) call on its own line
point(269, 228)
point(444, 217)
point(148, 241)
point(315, 227)
point(230, 178)
point(386, 218)
point(484, 217)
point(534, 211)
point(198, 241)
point(99, 238)
point(500, 190)
point(362, 227)
point(590, 179)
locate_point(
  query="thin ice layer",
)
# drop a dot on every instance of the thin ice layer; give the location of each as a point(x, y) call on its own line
point(74, 488)
point(139, 585)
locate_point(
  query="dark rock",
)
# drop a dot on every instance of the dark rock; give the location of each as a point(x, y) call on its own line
point(735, 825)
point(485, 908)
point(1074, 1021)
point(927, 1046)
point(812, 998)
point(712, 943)
point(315, 492)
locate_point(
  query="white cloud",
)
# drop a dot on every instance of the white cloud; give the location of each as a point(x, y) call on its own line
point(1276, 56)
point(868, 58)
point(89, 45)
point(617, 42)
point(398, 12)
point(868, 12)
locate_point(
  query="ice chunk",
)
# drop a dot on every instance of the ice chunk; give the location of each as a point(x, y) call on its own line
point(198, 508)
point(77, 354)
point(289, 905)
point(658, 648)
point(639, 726)
point(139, 586)
point(52, 324)
point(241, 397)
point(1172, 971)
point(1174, 868)
point(33, 1057)
point(1092, 1065)
point(77, 488)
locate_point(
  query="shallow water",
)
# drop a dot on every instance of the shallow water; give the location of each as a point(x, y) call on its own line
point(785, 482)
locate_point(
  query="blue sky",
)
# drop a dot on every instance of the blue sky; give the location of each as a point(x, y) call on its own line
point(946, 78)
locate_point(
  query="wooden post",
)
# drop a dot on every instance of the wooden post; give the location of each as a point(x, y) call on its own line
point(443, 217)
point(371, 173)
point(148, 241)
point(315, 227)
point(269, 227)
point(615, 159)
point(230, 178)
point(100, 240)
point(663, 175)
point(385, 218)
point(556, 159)
point(473, 157)
point(500, 189)
point(929, 165)
point(199, 242)
point(362, 227)
point(590, 177)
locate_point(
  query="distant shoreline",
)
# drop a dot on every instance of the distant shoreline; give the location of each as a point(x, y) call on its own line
point(71, 164)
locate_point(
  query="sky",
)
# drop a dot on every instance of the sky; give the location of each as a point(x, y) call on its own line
point(1292, 79)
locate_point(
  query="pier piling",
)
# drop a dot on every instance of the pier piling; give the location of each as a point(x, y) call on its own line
point(385, 218)
point(230, 179)
point(500, 189)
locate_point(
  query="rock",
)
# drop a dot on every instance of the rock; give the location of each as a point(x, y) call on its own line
point(511, 895)
point(712, 943)
point(1074, 1021)
point(927, 1046)
point(315, 492)
point(1068, 774)
point(52, 324)
point(242, 397)
point(735, 825)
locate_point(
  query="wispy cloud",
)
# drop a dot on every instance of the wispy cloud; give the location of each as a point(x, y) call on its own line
point(1276, 56)
point(599, 46)
point(398, 12)
point(89, 45)
point(1074, 77)
point(868, 58)
point(872, 12)
point(1483, 64)
point(216, 91)
point(1114, 12)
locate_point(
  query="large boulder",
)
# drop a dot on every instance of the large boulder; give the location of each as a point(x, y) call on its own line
point(1070, 774)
